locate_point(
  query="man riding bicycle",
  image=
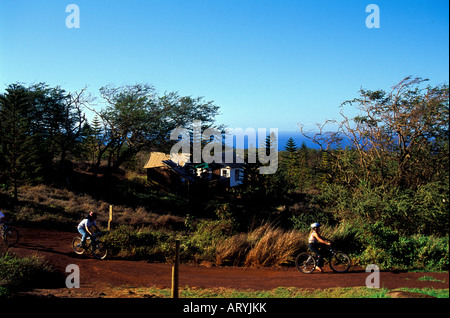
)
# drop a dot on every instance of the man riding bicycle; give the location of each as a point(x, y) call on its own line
point(316, 242)
point(85, 226)
point(3, 218)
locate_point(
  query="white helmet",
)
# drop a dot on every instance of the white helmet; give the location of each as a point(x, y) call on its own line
point(314, 225)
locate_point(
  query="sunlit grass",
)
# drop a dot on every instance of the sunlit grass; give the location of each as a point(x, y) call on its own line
point(290, 292)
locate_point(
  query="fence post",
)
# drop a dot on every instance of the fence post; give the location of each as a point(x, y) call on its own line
point(110, 217)
point(175, 270)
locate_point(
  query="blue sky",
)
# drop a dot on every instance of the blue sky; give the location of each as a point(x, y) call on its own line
point(266, 63)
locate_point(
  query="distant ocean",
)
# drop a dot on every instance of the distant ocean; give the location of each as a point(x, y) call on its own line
point(283, 137)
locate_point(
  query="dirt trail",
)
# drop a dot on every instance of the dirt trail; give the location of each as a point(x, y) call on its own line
point(98, 276)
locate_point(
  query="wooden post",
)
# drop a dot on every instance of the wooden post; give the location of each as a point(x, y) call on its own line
point(110, 217)
point(175, 270)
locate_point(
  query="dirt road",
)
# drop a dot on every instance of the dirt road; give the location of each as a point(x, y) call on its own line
point(98, 276)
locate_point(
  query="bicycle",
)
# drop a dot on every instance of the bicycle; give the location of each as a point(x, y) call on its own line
point(339, 262)
point(9, 235)
point(97, 248)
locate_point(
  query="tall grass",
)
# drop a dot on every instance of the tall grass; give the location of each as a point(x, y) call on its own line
point(264, 246)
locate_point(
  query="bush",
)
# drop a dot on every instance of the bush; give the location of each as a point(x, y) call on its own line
point(422, 252)
point(21, 272)
point(386, 248)
point(156, 245)
point(302, 222)
point(420, 211)
point(203, 243)
point(143, 244)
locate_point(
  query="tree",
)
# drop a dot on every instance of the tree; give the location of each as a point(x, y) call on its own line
point(18, 151)
point(92, 140)
point(58, 120)
point(137, 119)
point(398, 137)
point(291, 164)
point(39, 124)
point(394, 169)
point(290, 147)
point(71, 124)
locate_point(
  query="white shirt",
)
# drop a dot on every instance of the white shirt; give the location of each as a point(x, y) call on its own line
point(311, 238)
point(86, 223)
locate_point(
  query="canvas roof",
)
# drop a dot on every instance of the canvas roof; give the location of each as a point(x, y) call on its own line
point(156, 160)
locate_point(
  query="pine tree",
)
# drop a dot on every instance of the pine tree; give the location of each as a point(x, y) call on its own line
point(291, 147)
point(19, 153)
point(291, 164)
point(93, 140)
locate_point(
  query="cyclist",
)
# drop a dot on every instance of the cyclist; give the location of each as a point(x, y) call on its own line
point(3, 218)
point(85, 226)
point(316, 242)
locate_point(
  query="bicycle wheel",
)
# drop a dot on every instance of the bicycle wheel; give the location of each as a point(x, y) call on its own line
point(99, 250)
point(76, 245)
point(11, 236)
point(340, 262)
point(305, 262)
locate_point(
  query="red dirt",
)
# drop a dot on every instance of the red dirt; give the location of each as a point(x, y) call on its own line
point(97, 276)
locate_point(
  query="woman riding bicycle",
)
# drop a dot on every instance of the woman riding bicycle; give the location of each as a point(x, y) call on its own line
point(84, 227)
point(316, 243)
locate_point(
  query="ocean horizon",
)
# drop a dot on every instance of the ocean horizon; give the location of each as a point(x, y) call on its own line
point(282, 137)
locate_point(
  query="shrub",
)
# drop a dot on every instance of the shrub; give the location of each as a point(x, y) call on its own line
point(203, 243)
point(126, 242)
point(420, 211)
point(386, 248)
point(422, 252)
point(20, 272)
point(302, 222)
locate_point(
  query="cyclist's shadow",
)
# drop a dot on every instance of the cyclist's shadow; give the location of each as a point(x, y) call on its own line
point(42, 248)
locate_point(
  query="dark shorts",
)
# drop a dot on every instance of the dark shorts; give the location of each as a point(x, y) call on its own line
point(317, 249)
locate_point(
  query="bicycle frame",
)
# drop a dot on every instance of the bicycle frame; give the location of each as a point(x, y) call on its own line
point(7, 232)
point(92, 240)
point(92, 245)
point(339, 262)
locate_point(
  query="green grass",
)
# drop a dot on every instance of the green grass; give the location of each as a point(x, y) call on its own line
point(290, 292)
point(427, 278)
point(438, 293)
